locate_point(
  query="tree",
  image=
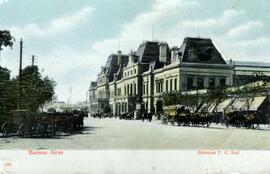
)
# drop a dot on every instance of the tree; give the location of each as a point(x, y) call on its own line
point(4, 86)
point(35, 90)
point(6, 39)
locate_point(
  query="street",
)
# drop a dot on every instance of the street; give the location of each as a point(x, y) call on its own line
point(134, 134)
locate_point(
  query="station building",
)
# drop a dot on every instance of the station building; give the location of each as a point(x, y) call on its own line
point(136, 81)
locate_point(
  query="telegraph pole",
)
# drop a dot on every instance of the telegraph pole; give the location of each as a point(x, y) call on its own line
point(33, 60)
point(20, 74)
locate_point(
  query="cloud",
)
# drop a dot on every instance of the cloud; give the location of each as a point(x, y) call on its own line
point(3, 1)
point(56, 26)
point(140, 28)
point(173, 21)
point(76, 68)
point(250, 29)
point(228, 18)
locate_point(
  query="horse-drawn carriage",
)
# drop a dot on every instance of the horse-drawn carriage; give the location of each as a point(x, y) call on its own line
point(26, 123)
point(181, 115)
point(172, 114)
point(127, 116)
point(244, 118)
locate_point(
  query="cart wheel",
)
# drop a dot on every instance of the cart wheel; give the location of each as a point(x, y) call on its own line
point(5, 130)
point(22, 130)
point(208, 124)
point(173, 122)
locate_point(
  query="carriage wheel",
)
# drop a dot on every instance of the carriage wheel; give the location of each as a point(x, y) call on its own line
point(5, 130)
point(208, 124)
point(173, 122)
point(238, 124)
point(22, 130)
point(163, 119)
point(227, 124)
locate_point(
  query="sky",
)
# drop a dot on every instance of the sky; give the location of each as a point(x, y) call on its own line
point(72, 39)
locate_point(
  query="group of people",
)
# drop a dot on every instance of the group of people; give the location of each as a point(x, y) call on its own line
point(147, 116)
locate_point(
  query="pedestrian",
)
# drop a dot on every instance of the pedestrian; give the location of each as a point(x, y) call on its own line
point(150, 117)
point(144, 116)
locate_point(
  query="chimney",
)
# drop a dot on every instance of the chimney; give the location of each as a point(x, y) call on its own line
point(174, 53)
point(163, 52)
point(119, 57)
point(130, 58)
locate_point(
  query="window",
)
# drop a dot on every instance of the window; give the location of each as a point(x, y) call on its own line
point(131, 91)
point(135, 88)
point(211, 82)
point(134, 71)
point(119, 91)
point(128, 73)
point(143, 89)
point(167, 86)
point(222, 82)
point(189, 83)
point(131, 72)
point(175, 84)
point(125, 90)
point(147, 88)
point(171, 84)
point(157, 87)
point(200, 83)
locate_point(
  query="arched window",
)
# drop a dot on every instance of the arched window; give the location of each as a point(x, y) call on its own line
point(127, 89)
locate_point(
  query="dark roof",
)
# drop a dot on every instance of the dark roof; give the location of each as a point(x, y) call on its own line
point(149, 51)
point(156, 65)
point(112, 60)
point(112, 65)
point(200, 50)
point(119, 73)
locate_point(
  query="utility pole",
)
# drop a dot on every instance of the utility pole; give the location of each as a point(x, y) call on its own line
point(33, 60)
point(20, 74)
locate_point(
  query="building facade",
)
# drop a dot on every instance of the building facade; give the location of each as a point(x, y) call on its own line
point(137, 84)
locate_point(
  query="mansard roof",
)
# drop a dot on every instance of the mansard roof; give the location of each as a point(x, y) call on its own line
point(200, 50)
point(112, 65)
point(148, 51)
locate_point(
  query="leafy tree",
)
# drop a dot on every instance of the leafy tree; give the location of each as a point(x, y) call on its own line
point(4, 84)
point(35, 90)
point(6, 39)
